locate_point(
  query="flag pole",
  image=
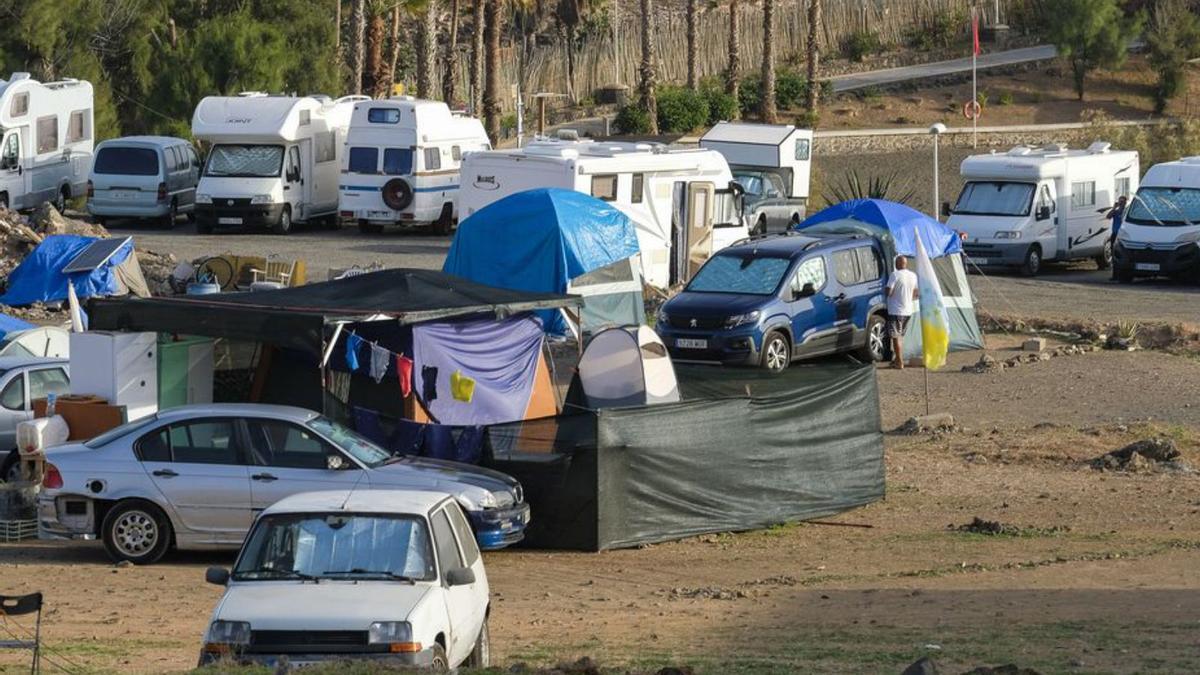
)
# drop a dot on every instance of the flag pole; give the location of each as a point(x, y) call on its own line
point(974, 77)
point(926, 369)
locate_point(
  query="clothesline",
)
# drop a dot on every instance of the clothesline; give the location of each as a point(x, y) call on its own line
point(462, 387)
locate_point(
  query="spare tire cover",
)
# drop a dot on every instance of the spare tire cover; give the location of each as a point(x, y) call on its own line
point(397, 194)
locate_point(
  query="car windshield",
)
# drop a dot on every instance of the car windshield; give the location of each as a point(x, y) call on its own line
point(739, 274)
point(750, 182)
point(126, 161)
point(358, 447)
point(245, 161)
point(991, 198)
point(117, 432)
point(337, 546)
point(1168, 207)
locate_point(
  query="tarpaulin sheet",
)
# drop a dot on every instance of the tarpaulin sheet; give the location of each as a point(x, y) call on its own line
point(39, 277)
point(539, 240)
point(498, 358)
point(9, 324)
point(804, 444)
point(903, 221)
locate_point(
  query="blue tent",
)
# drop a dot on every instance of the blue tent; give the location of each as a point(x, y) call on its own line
point(897, 226)
point(39, 278)
point(556, 241)
point(10, 324)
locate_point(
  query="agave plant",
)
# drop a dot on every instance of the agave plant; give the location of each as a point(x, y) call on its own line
point(852, 186)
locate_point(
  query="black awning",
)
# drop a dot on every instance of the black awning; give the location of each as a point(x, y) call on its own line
point(296, 317)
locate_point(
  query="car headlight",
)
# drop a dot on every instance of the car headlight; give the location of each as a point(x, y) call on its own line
point(203, 198)
point(488, 501)
point(1008, 234)
point(397, 635)
point(742, 319)
point(1193, 236)
point(229, 633)
point(261, 199)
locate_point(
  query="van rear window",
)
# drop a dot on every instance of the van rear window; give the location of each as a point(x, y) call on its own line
point(364, 160)
point(383, 115)
point(126, 161)
point(397, 161)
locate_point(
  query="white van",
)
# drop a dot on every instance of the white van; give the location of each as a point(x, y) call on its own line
point(46, 149)
point(149, 177)
point(1028, 206)
point(1161, 233)
point(684, 203)
point(402, 161)
point(273, 160)
point(773, 163)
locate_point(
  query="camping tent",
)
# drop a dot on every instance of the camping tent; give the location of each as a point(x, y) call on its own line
point(627, 366)
point(40, 276)
point(10, 324)
point(555, 241)
point(897, 227)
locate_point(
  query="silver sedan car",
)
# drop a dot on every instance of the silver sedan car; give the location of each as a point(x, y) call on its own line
point(195, 477)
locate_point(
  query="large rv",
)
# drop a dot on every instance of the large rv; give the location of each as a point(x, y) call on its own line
point(684, 203)
point(46, 149)
point(1033, 205)
point(1161, 234)
point(772, 162)
point(402, 161)
point(273, 160)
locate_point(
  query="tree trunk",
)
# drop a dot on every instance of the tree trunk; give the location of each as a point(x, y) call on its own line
point(476, 56)
point(570, 45)
point(1080, 73)
point(337, 25)
point(814, 28)
point(377, 84)
point(767, 110)
point(693, 68)
point(358, 20)
point(648, 70)
point(449, 75)
point(735, 56)
point(427, 50)
point(394, 62)
point(491, 85)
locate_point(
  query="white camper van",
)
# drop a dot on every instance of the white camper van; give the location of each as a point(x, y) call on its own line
point(401, 163)
point(1033, 205)
point(772, 162)
point(46, 149)
point(273, 160)
point(684, 202)
point(1161, 233)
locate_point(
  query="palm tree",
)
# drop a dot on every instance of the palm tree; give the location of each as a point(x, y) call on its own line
point(376, 68)
point(451, 66)
point(427, 50)
point(358, 24)
point(693, 73)
point(767, 110)
point(476, 55)
point(491, 83)
point(735, 48)
point(569, 14)
point(814, 23)
point(648, 70)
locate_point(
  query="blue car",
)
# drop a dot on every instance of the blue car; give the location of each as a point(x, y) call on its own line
point(770, 300)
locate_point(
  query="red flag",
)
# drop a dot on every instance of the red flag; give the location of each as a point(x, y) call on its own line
point(975, 31)
point(404, 366)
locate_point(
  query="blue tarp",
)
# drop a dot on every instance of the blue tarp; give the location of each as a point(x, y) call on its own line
point(900, 220)
point(9, 324)
point(39, 278)
point(539, 240)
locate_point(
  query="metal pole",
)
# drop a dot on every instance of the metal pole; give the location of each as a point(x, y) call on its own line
point(926, 387)
point(974, 82)
point(937, 209)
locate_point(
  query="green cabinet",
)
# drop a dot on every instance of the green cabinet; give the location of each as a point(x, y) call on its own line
point(185, 370)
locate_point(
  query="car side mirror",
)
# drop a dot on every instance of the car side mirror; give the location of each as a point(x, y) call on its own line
point(1043, 213)
point(460, 576)
point(336, 463)
point(806, 291)
point(946, 210)
point(218, 576)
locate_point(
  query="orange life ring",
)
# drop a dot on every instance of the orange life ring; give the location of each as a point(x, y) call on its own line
point(971, 110)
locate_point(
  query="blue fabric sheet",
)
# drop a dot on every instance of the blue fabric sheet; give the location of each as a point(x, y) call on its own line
point(900, 220)
point(439, 441)
point(39, 278)
point(10, 324)
point(538, 240)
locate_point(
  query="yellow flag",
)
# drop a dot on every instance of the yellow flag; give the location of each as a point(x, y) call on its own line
point(935, 326)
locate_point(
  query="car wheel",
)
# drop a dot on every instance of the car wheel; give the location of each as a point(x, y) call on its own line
point(876, 344)
point(10, 468)
point(284, 225)
point(60, 202)
point(444, 225)
point(438, 663)
point(761, 226)
point(1033, 261)
point(795, 220)
point(1104, 260)
point(136, 531)
point(481, 653)
point(775, 352)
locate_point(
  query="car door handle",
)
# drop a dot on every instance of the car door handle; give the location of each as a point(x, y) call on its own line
point(164, 473)
point(837, 298)
point(264, 476)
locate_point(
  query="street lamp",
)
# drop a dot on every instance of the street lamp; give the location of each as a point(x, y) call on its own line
point(937, 130)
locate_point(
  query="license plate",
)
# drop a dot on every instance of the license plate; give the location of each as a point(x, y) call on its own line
point(1146, 267)
point(685, 343)
point(979, 261)
point(382, 215)
point(122, 194)
point(229, 221)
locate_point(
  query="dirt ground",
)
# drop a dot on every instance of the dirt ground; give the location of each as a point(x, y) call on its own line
point(1100, 573)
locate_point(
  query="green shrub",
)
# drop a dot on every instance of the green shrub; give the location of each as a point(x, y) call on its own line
point(681, 110)
point(982, 97)
point(632, 119)
point(721, 106)
point(1006, 98)
point(809, 119)
point(937, 30)
point(859, 45)
point(790, 88)
point(749, 95)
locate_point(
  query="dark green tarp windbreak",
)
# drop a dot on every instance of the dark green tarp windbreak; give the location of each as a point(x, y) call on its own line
point(743, 450)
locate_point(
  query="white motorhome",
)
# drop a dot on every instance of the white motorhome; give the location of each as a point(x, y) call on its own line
point(772, 162)
point(1161, 232)
point(46, 149)
point(684, 203)
point(1033, 205)
point(273, 160)
point(402, 161)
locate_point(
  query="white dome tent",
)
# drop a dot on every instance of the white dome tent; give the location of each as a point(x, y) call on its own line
point(627, 366)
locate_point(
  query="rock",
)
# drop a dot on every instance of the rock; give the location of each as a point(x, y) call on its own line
point(922, 666)
point(1159, 449)
point(48, 221)
point(1138, 464)
point(922, 423)
point(1036, 344)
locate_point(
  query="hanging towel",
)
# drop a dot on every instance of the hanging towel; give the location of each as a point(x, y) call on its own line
point(429, 383)
point(352, 344)
point(404, 366)
point(379, 362)
point(462, 388)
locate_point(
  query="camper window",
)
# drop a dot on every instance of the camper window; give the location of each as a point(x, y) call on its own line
point(637, 188)
point(455, 153)
point(993, 198)
point(397, 161)
point(1083, 194)
point(605, 187)
point(125, 161)
point(305, 118)
point(1121, 187)
point(20, 105)
point(245, 161)
point(76, 128)
point(47, 134)
point(11, 157)
point(364, 160)
point(326, 145)
point(383, 115)
point(802, 149)
point(433, 159)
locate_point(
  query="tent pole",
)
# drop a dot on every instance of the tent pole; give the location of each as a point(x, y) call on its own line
point(926, 369)
point(337, 333)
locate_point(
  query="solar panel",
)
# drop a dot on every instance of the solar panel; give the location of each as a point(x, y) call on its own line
point(95, 255)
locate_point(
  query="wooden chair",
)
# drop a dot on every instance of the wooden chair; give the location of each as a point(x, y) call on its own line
point(278, 271)
point(18, 605)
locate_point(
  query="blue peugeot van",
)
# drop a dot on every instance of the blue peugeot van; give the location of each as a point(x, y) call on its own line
point(770, 300)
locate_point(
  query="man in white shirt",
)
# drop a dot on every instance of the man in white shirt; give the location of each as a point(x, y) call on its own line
point(901, 291)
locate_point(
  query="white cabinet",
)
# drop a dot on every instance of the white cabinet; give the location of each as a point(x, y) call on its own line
point(119, 367)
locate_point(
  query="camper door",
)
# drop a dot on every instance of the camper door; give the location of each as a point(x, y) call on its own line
point(13, 177)
point(294, 185)
point(699, 225)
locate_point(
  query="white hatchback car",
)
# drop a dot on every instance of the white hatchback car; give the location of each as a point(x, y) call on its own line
point(383, 575)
